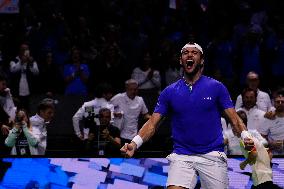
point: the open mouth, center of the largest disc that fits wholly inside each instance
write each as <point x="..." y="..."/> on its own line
<point x="189" y="63"/>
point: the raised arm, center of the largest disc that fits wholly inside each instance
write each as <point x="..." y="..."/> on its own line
<point x="144" y="134"/>
<point x="33" y="141"/>
<point x="76" y="122"/>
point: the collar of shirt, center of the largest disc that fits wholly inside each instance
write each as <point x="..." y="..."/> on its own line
<point x="40" y="121"/>
<point x="129" y="99"/>
<point x="250" y="111"/>
<point x="101" y="100"/>
<point x="189" y="85"/>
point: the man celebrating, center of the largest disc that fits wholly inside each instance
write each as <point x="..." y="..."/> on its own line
<point x="195" y="104"/>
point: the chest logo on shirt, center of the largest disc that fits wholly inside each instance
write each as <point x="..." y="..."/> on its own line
<point x="207" y="98"/>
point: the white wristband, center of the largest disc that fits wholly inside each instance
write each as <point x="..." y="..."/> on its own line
<point x="245" y="134"/>
<point x="138" y="141"/>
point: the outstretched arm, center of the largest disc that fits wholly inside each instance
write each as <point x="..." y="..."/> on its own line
<point x="144" y="134"/>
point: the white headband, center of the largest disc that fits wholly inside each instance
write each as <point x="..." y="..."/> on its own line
<point x="192" y="45"/>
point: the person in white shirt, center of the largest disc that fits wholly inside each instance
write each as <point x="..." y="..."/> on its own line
<point x="7" y="113"/>
<point x="145" y="75"/>
<point x="233" y="142"/>
<point x="23" y="71"/>
<point x="89" y="110"/>
<point x="131" y="106"/>
<point x="173" y="71"/>
<point x="273" y="129"/>
<point x="6" y="99"/>
<point x="263" y="100"/>
<point x="254" y="114"/>
<point x="39" y="122"/>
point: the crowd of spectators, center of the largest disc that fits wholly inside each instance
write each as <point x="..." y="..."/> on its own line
<point x="69" y="48"/>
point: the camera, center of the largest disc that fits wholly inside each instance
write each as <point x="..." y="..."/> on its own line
<point x="89" y="117"/>
<point x="19" y="119"/>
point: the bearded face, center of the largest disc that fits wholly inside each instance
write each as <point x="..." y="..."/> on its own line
<point x="279" y="103"/>
<point x="191" y="60"/>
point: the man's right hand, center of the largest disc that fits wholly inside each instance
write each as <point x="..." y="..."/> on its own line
<point x="270" y="115"/>
<point x="128" y="149"/>
<point x="81" y="136"/>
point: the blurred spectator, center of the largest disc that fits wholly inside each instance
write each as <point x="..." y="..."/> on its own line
<point x="62" y="52"/>
<point x="128" y="107"/>
<point x="5" y="126"/>
<point x="242" y="24"/>
<point x="263" y="101"/>
<point x="7" y="113"/>
<point x="173" y="71"/>
<point x="251" y="52"/>
<point x="276" y="58"/>
<point x="111" y="68"/>
<point x="82" y="34"/>
<point x="6" y="99"/>
<point x="149" y="79"/>
<point x="76" y="75"/>
<point x="39" y="122"/>
<point x="50" y="78"/>
<point x="1" y="53"/>
<point x="110" y="34"/>
<point x="134" y="41"/>
<point x="259" y="15"/>
<point x="221" y="55"/>
<point x="255" y="116"/>
<point x="104" y="140"/>
<point x="273" y="129"/>
<point x="20" y="137"/>
<point x="24" y="70"/>
<point x="90" y="52"/>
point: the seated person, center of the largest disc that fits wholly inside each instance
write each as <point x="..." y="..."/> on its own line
<point x="20" y="138"/>
<point x="104" y="139"/>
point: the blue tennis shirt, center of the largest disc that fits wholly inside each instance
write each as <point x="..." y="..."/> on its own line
<point x="195" y="114"/>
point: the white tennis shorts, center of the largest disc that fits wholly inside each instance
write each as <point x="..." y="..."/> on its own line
<point x="212" y="171"/>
